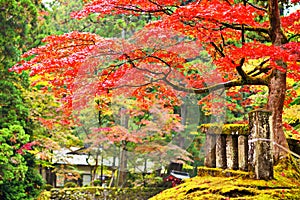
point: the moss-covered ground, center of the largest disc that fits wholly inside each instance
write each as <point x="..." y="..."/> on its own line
<point x="285" y="185"/>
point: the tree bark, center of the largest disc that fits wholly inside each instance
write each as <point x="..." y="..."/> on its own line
<point x="123" y="165"/>
<point x="277" y="89"/>
<point x="123" y="153"/>
<point x="277" y="84"/>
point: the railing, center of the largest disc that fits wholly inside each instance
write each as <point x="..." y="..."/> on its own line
<point x="241" y="147"/>
<point x="226" y="146"/>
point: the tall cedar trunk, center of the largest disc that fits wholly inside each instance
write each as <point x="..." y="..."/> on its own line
<point x="94" y="170"/>
<point x="123" y="152"/>
<point x="277" y="84"/>
<point x="123" y="165"/>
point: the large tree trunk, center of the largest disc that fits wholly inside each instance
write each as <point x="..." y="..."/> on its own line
<point x="277" y="84"/>
<point x="277" y="88"/>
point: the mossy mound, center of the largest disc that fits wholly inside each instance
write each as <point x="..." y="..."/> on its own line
<point x="206" y="171"/>
<point x="227" y="129"/>
<point x="285" y="185"/>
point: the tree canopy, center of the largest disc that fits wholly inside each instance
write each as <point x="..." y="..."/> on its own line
<point x="245" y="42"/>
<point x="18" y="178"/>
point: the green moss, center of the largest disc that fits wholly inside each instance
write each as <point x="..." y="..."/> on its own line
<point x="204" y="171"/>
<point x="285" y="185"/>
<point x="95" y="193"/>
<point x="228" y="129"/>
<point x="45" y="195"/>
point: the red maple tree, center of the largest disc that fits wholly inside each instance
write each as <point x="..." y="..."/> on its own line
<point x="234" y="33"/>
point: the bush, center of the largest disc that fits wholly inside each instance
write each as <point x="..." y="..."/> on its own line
<point x="97" y="182"/>
<point x="97" y="193"/>
<point x="70" y="185"/>
<point x="48" y="187"/>
<point x="45" y="195"/>
<point x="19" y="178"/>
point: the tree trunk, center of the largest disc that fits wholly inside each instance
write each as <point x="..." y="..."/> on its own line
<point x="277" y="88"/>
<point x="123" y="152"/>
<point x="277" y="84"/>
<point x="123" y="165"/>
<point x="94" y="170"/>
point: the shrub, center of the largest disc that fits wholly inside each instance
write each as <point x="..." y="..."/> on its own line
<point x="97" y="182"/>
<point x="48" y="187"/>
<point x="19" y="178"/>
<point x="70" y="185"/>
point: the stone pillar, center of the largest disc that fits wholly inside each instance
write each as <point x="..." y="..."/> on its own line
<point x="221" y="161"/>
<point x="235" y="152"/>
<point x="260" y="145"/>
<point x="243" y="152"/>
<point x="210" y="150"/>
<point x="232" y="151"/>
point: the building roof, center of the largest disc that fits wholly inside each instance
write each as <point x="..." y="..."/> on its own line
<point x="66" y="156"/>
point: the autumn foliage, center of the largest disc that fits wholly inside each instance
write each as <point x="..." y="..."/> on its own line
<point x="247" y="43"/>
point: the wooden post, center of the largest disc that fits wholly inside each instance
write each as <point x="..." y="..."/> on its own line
<point x="260" y="145"/>
<point x="210" y="153"/>
<point x="221" y="161"/>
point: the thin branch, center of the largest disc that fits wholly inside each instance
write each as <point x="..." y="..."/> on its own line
<point x="149" y="71"/>
<point x="225" y="85"/>
<point x="136" y="86"/>
<point x="259" y="68"/>
<point x="139" y="10"/>
<point x="218" y="49"/>
<point x="205" y="89"/>
<point x="257" y="7"/>
<point x="292" y="37"/>
<point x="263" y="38"/>
<point x="263" y="70"/>
<point x="243" y="34"/>
<point x="240" y="69"/>
<point x="246" y="27"/>
<point x="223" y="40"/>
<point x="227" y="1"/>
<point x="165" y="10"/>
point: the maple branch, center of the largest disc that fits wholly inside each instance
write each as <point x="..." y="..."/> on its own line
<point x="225" y="85"/>
<point x="292" y="37"/>
<point x="240" y="69"/>
<point x="255" y="6"/>
<point x="243" y="34"/>
<point x="263" y="38"/>
<point x="244" y="80"/>
<point x="218" y="49"/>
<point x="149" y="71"/>
<point x="260" y="69"/>
<point x="71" y="45"/>
<point x="137" y="9"/>
<point x="161" y="60"/>
<point x="164" y="10"/>
<point x="246" y="27"/>
<point x="136" y="86"/>
<point x="263" y="70"/>
<point x="227" y="1"/>
<point x="131" y="61"/>
<point x="223" y="41"/>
